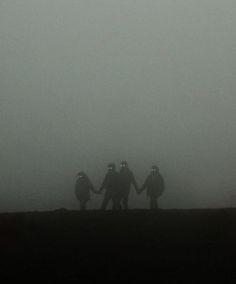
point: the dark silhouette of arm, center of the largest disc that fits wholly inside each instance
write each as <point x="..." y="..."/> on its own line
<point x="144" y="185"/>
<point x="162" y="184"/>
<point x="133" y="182"/>
<point x="92" y="187"/>
<point x="103" y="185"/>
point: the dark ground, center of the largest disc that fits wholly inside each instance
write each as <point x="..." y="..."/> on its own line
<point x="165" y="246"/>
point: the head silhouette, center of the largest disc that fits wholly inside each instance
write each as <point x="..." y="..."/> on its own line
<point x="123" y="164"/>
<point x="111" y="167"/>
<point x="154" y="169"/>
<point x="81" y="176"/>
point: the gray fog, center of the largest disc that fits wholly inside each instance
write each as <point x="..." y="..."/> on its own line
<point x="85" y="82"/>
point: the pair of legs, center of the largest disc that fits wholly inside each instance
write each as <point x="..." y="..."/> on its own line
<point x="125" y="199"/>
<point x="153" y="203"/>
<point x="108" y="196"/>
<point x="116" y="203"/>
<point x="83" y="205"/>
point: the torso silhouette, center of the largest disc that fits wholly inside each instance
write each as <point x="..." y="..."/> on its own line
<point x="82" y="189"/>
<point x="154" y="184"/>
<point x="111" y="182"/>
<point x="126" y="178"/>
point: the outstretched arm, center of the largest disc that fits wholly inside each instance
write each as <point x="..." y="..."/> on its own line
<point x="91" y="187"/>
<point x="135" y="184"/>
<point x="102" y="186"/>
<point x="143" y="186"/>
<point x="162" y="184"/>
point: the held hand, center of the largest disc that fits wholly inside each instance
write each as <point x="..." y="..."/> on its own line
<point x="95" y="191"/>
<point x="140" y="190"/>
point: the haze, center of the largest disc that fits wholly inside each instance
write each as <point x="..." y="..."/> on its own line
<point x="85" y="83"/>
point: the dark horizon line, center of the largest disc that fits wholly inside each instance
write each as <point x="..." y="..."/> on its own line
<point x="62" y="209"/>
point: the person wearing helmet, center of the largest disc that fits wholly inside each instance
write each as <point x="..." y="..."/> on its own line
<point x="83" y="186"/>
<point x="111" y="186"/>
<point x="127" y="179"/>
<point x="155" y="186"/>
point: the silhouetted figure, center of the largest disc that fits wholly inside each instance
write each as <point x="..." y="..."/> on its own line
<point x="83" y="186"/>
<point x="111" y="186"/>
<point x="155" y="186"/>
<point x="126" y="180"/>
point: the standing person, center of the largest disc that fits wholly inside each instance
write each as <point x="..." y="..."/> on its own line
<point x="83" y="186"/>
<point x="155" y="186"/>
<point x="127" y="179"/>
<point x="111" y="186"/>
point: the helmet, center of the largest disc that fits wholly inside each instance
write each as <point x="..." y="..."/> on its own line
<point x="154" y="169"/>
<point x="111" y="167"/>
<point x="80" y="175"/>
<point x="123" y="163"/>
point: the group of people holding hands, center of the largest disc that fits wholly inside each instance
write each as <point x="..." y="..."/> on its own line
<point x="116" y="186"/>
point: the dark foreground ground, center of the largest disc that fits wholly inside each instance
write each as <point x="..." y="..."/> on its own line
<point x="166" y="246"/>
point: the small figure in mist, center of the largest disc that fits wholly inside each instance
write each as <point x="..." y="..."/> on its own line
<point x="83" y="186"/>
<point x="155" y="186"/>
<point x="127" y="179"/>
<point x="111" y="186"/>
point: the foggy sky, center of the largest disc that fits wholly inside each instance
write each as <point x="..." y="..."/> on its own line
<point x="84" y="83"/>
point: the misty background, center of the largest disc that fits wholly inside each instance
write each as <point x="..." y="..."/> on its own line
<point x="84" y="83"/>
